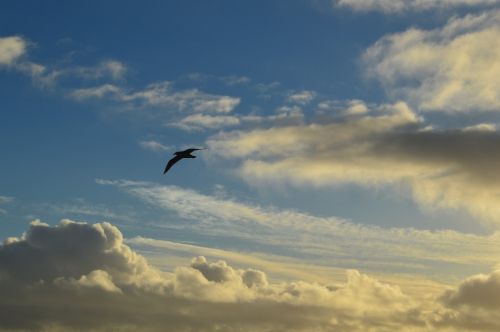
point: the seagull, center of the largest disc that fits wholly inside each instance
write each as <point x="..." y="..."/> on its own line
<point x="178" y="156"/>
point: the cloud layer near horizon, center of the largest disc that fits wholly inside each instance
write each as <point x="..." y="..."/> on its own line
<point x="83" y="276"/>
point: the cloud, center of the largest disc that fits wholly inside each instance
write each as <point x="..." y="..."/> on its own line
<point x="154" y="146"/>
<point x="113" y="69"/>
<point x="80" y="207"/>
<point x="320" y="240"/>
<point x="451" y="69"/>
<point x="14" y="51"/>
<point x="401" y="6"/>
<point x="388" y="146"/>
<point x="6" y="199"/>
<point x="482" y="290"/>
<point x="88" y="269"/>
<point x="161" y="94"/>
<point x="201" y="121"/>
<point x="235" y="80"/>
<point x="11" y="49"/>
<point x="205" y="121"/>
<point x="77" y="276"/>
<point x="96" y="92"/>
<point x="473" y="304"/>
<point x="491" y="127"/>
<point x="301" y="97"/>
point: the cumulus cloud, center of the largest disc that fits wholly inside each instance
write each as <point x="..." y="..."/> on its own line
<point x="400" y="6"/>
<point x="11" y="49"/>
<point x="451" y="169"/>
<point x="473" y="304"/>
<point x="452" y="69"/>
<point x="482" y="290"/>
<point x="75" y="276"/>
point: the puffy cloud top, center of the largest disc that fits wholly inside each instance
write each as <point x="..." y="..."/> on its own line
<point x="76" y="276"/>
<point x="11" y="48"/>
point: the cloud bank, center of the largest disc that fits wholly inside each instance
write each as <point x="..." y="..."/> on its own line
<point x="387" y="146"/>
<point x="75" y="276"/>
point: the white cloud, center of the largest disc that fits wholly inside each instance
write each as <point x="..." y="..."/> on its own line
<point x="356" y="107"/>
<point x="205" y="121"/>
<point x="400" y="6"/>
<point x="115" y="68"/>
<point x="154" y="146"/>
<point x="452" y="69"/>
<point x="96" y="92"/>
<point x="301" y="97"/>
<point x="491" y="127"/>
<point x="11" y="49"/>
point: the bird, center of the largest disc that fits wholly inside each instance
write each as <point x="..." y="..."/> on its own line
<point x="178" y="156"/>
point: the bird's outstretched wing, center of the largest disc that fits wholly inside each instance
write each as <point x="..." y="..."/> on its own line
<point x="171" y="163"/>
<point x="191" y="150"/>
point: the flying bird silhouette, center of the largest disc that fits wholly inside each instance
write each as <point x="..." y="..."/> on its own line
<point x="178" y="156"/>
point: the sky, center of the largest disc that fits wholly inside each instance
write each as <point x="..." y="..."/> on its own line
<point x="349" y="181"/>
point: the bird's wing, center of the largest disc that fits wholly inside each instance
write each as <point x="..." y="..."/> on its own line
<point x="192" y="150"/>
<point x="171" y="163"/>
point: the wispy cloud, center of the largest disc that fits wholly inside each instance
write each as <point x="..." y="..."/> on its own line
<point x="154" y="146"/>
<point x="161" y="94"/>
<point x="197" y="122"/>
<point x="322" y="240"/>
<point x="14" y="55"/>
<point x="403" y="6"/>
<point x="235" y="80"/>
<point x="6" y="199"/>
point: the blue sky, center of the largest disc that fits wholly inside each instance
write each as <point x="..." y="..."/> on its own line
<point x="298" y="46"/>
<point x="349" y="134"/>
